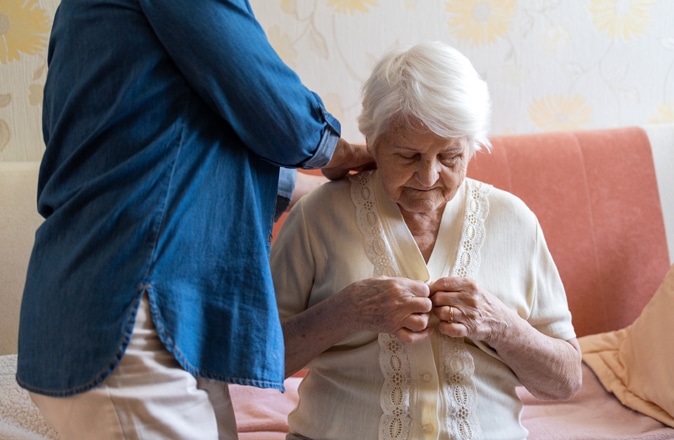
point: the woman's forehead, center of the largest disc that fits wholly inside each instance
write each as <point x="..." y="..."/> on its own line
<point x="415" y="138"/>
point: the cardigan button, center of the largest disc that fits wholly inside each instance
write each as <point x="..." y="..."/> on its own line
<point x="428" y="428"/>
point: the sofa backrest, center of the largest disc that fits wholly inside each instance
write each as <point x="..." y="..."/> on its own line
<point x="605" y="201"/>
<point x="594" y="192"/>
<point x="596" y="196"/>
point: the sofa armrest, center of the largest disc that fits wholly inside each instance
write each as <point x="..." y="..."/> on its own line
<point x="18" y="221"/>
<point x="662" y="145"/>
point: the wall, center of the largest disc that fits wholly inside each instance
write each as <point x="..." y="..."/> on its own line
<point x="550" y="64"/>
<point x="24" y="33"/>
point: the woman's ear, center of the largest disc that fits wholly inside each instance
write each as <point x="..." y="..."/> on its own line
<point x="369" y="145"/>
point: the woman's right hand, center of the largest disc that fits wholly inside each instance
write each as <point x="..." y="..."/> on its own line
<point x="396" y="306"/>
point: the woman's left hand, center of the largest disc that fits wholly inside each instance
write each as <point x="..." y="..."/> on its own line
<point x="467" y="310"/>
<point x="548" y="367"/>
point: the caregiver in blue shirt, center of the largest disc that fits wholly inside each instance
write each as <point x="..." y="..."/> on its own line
<point x="149" y="289"/>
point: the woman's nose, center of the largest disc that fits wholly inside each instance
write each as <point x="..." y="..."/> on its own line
<point x="427" y="172"/>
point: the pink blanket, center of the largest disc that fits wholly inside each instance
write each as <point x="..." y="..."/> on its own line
<point x="261" y="414"/>
<point x="593" y="414"/>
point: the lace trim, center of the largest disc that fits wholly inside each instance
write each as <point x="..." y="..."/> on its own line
<point x="458" y="366"/>
<point x="472" y="236"/>
<point x="376" y="245"/>
<point x="395" y="422"/>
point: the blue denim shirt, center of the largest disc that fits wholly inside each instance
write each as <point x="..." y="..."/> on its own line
<point x="165" y="126"/>
<point x="286" y="187"/>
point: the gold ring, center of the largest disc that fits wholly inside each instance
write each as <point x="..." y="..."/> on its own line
<point x="451" y="314"/>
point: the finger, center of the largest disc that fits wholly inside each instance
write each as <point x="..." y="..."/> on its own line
<point x="451" y="284"/>
<point x="416" y="322"/>
<point x="410" y="337"/>
<point x="440" y="299"/>
<point x="347" y="157"/>
<point x="453" y="329"/>
<point x="334" y="173"/>
<point x="451" y="314"/>
<point x="413" y="289"/>
<point x="442" y="312"/>
<point x="418" y="288"/>
<point x="419" y="305"/>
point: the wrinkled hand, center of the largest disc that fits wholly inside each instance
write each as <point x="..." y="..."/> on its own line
<point x="477" y="314"/>
<point x="396" y="306"/>
<point x="348" y="157"/>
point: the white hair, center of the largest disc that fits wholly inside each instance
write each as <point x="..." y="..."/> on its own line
<point x="431" y="83"/>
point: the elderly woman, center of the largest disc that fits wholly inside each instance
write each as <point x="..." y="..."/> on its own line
<point x="419" y="299"/>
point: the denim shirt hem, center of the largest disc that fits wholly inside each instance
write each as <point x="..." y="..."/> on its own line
<point x="182" y="361"/>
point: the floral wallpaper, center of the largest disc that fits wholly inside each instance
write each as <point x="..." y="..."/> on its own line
<point x="550" y="64"/>
<point x="24" y="33"/>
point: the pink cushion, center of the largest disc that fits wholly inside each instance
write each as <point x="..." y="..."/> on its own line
<point x="636" y="363"/>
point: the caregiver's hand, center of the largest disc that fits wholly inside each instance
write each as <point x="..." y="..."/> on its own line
<point x="346" y="158"/>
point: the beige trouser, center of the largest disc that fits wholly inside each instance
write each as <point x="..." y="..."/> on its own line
<point x="148" y="396"/>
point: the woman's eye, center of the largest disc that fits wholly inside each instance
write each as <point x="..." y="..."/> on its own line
<point x="408" y="157"/>
<point x="450" y="159"/>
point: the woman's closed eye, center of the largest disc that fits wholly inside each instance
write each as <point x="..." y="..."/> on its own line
<point x="406" y="157"/>
<point x="450" y="159"/>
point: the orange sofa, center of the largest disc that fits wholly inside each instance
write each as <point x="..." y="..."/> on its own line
<point x="605" y="200"/>
<point x="596" y="196"/>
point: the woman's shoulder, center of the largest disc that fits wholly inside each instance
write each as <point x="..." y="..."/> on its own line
<point x="502" y="202"/>
<point x="324" y="211"/>
<point x="329" y="197"/>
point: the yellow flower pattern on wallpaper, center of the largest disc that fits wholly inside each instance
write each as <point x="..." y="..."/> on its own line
<point x="554" y="39"/>
<point x="23" y="29"/>
<point x="550" y="65"/>
<point x="623" y="19"/>
<point x="289" y="6"/>
<point x="664" y="114"/>
<point x="351" y="6"/>
<point x="5" y="100"/>
<point x="283" y="45"/>
<point x="333" y="103"/>
<point x="35" y="92"/>
<point x="480" y="22"/>
<point x="560" y="112"/>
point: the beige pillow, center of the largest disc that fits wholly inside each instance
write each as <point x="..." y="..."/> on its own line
<point x="636" y="363"/>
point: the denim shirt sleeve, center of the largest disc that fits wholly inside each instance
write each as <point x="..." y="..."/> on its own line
<point x="286" y="186"/>
<point x="287" y="176"/>
<point x="225" y="56"/>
